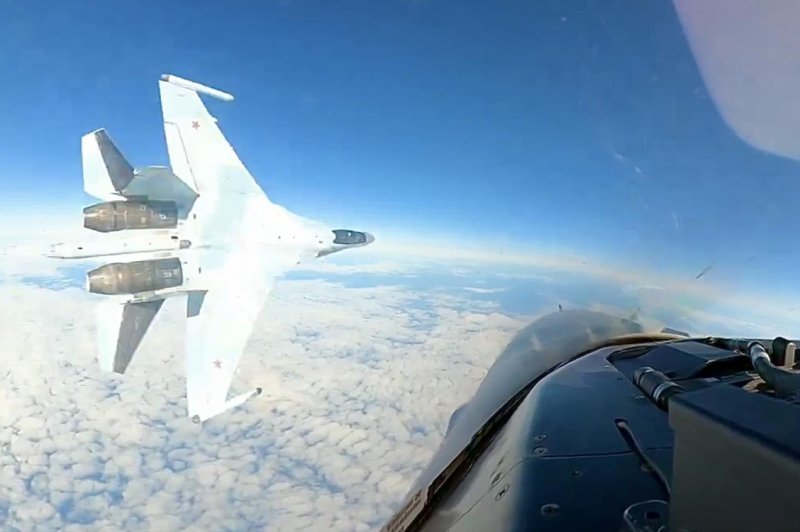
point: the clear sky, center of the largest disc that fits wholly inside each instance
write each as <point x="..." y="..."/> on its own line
<point x="536" y="124"/>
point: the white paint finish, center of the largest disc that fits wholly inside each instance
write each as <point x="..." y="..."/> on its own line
<point x="241" y="243"/>
<point x="96" y="180"/>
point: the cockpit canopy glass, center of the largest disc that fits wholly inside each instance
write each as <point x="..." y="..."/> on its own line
<point x="347" y="237"/>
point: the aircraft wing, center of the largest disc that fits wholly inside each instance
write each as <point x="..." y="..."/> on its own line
<point x="220" y="319"/>
<point x="199" y="153"/>
<point x="235" y="274"/>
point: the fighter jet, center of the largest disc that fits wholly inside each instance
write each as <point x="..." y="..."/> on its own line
<point x="202" y="229"/>
<point x="588" y="421"/>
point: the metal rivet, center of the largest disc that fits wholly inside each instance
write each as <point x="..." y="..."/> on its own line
<point x="577" y="473"/>
<point x="540" y="437"/>
<point x="638" y="397"/>
<point x="502" y="492"/>
<point x="539" y="450"/>
<point x="496" y="478"/>
<point x="550" y="510"/>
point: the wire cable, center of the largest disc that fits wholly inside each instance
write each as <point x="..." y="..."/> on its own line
<point x="630" y="438"/>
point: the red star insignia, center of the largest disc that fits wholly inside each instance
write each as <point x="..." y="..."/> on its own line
<point x="217" y="364"/>
<point x="195" y="125"/>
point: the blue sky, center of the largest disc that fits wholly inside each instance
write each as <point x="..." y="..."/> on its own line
<point x="556" y="125"/>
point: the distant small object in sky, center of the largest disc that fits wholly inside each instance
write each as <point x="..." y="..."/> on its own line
<point x="627" y="162"/>
<point x="705" y="271"/>
<point x="560" y="308"/>
<point x="670" y="330"/>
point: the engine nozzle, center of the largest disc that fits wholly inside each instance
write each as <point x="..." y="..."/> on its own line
<point x="121" y="215"/>
<point x="135" y="277"/>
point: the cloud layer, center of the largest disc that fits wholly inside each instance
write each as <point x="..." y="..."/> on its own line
<point x="359" y="384"/>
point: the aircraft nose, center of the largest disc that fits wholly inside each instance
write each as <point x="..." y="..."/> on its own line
<point x="370" y="238"/>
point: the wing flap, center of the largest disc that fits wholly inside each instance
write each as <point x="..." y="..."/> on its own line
<point x="178" y="158"/>
<point x="120" y="330"/>
<point x="160" y="184"/>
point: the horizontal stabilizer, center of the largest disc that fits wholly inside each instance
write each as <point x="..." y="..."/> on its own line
<point x="120" y="329"/>
<point x="106" y="172"/>
<point x="160" y="184"/>
<point x="107" y="175"/>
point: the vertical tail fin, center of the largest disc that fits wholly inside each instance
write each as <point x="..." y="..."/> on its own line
<point x="194" y="302"/>
<point x="106" y="172"/>
<point x="120" y="329"/>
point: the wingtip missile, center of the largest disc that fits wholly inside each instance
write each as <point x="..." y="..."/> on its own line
<point x="197" y="87"/>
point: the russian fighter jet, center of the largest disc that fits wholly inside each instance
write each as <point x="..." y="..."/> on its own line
<point x="202" y="229"/>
